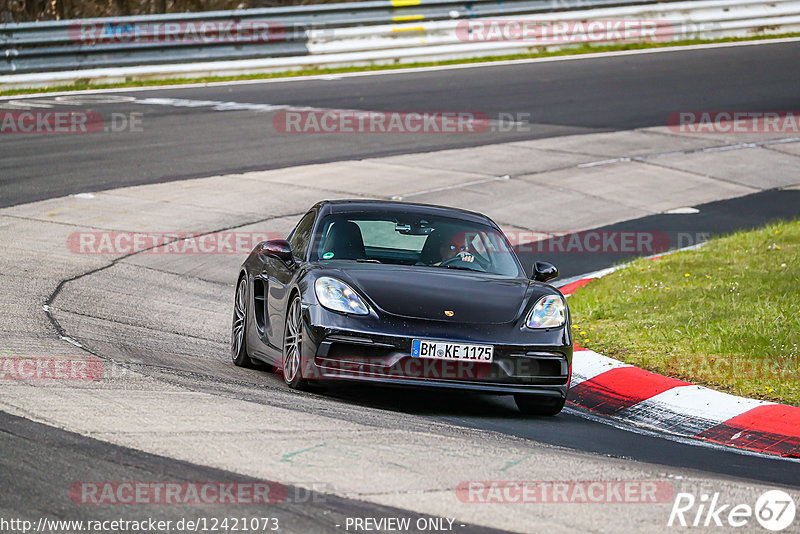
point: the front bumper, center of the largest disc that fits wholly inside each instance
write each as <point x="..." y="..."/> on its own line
<point x="359" y="349"/>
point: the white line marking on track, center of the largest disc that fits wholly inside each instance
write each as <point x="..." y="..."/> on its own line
<point x="70" y="340"/>
<point x="682" y="211"/>
<point x="603" y="162"/>
<point x="721" y="148"/>
<point x="454" y="186"/>
<point x="217" y="105"/>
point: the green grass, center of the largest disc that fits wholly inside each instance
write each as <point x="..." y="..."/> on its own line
<point x="581" y="49"/>
<point x="726" y="315"/>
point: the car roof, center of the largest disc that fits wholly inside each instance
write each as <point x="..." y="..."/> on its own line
<point x="390" y="206"/>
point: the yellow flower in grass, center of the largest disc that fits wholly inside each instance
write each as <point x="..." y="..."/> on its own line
<point x="687" y="275"/>
<point x="583" y="332"/>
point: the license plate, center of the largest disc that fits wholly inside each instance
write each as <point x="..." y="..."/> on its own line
<point x="441" y="350"/>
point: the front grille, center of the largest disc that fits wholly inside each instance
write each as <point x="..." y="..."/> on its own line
<point x="354" y="356"/>
<point x="539" y="364"/>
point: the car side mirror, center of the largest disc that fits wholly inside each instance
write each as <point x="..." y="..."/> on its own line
<point x="278" y="248"/>
<point x="544" y="271"/>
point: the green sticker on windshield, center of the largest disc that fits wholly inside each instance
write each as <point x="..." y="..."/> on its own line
<point x="327" y="255"/>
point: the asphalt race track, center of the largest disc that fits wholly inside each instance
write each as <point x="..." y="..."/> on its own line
<point x="47" y="459"/>
<point x="563" y="97"/>
<point x="196" y="132"/>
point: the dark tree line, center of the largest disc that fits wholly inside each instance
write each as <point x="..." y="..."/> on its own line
<point x="35" y="10"/>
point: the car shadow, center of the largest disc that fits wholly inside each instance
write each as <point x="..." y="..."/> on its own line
<point x="425" y="402"/>
<point x="429" y="402"/>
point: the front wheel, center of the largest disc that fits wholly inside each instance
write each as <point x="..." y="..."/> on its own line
<point x="535" y="405"/>
<point x="239" y="327"/>
<point x="292" y="346"/>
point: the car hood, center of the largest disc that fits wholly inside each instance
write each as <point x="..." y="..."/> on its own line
<point x="428" y="293"/>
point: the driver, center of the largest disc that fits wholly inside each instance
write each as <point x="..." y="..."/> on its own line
<point x="456" y="247"/>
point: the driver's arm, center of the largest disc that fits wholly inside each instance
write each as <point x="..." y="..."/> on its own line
<point x="464" y="256"/>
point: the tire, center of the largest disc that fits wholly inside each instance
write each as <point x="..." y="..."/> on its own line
<point x="239" y="327"/>
<point x="535" y="405"/>
<point x="292" y="364"/>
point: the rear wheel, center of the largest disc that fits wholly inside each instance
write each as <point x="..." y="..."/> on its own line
<point x="292" y="346"/>
<point x="536" y="405"/>
<point x="239" y="327"/>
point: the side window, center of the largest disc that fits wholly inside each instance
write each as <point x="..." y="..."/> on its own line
<point x="301" y="235"/>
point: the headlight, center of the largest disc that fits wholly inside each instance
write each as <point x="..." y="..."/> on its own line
<point x="548" y="312"/>
<point x="338" y="296"/>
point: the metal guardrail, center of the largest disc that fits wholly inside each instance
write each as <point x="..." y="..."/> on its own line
<point x="59" y="45"/>
<point x="381" y="31"/>
<point x="673" y="21"/>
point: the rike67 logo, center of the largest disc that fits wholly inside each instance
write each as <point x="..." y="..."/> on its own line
<point x="774" y="510"/>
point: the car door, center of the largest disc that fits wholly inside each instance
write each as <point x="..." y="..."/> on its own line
<point x="282" y="277"/>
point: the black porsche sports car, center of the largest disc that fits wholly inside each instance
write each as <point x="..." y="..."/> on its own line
<point x="404" y="294"/>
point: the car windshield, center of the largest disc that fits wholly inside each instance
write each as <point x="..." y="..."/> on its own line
<point x="427" y="242"/>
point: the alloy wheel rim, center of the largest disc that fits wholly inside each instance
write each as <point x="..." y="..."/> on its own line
<point x="239" y="312"/>
<point x="292" y="341"/>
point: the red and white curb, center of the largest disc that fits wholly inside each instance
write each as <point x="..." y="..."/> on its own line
<point x="608" y="387"/>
